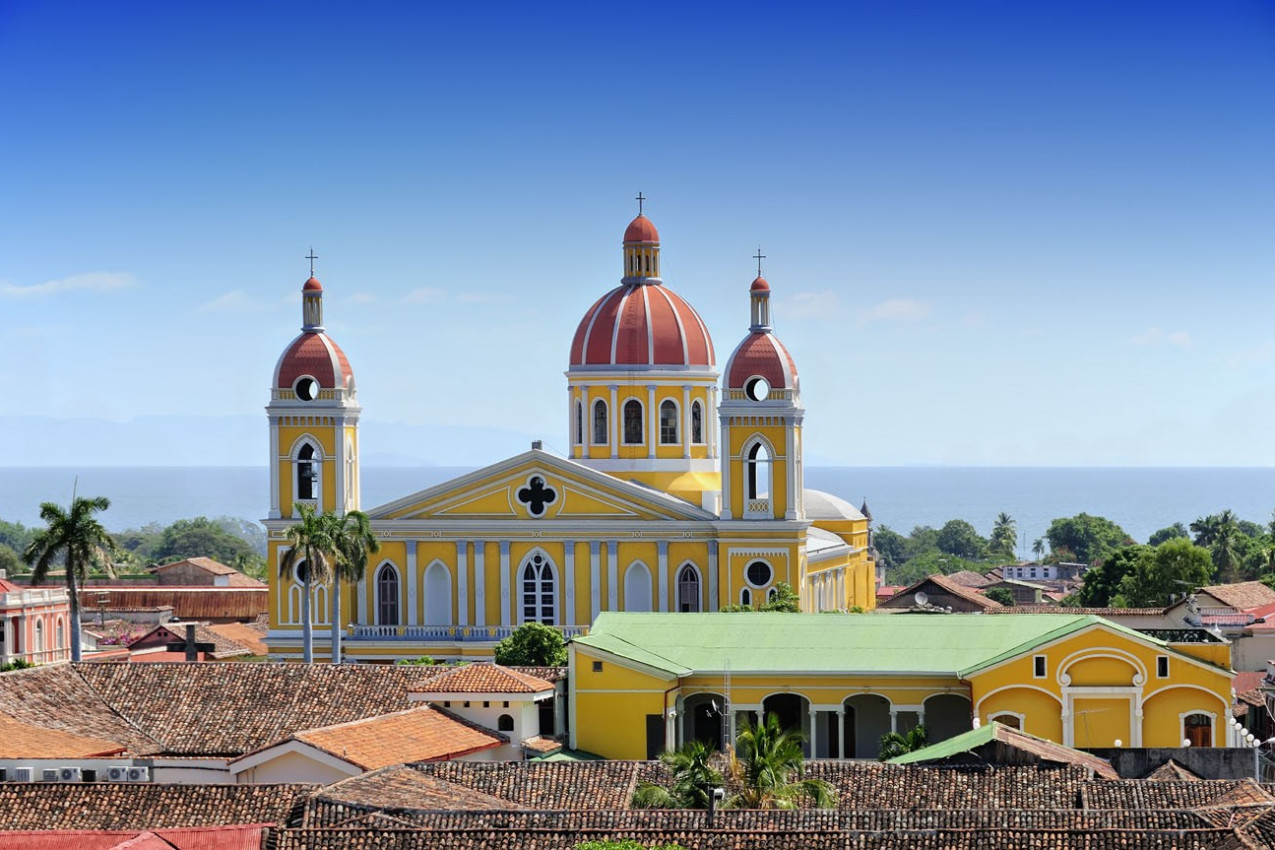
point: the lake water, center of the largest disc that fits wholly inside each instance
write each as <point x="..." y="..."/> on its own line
<point x="1141" y="500"/>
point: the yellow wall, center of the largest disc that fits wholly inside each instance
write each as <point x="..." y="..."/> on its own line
<point x="610" y="707"/>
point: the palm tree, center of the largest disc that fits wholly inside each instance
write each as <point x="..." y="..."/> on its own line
<point x="78" y="540"/>
<point x="1004" y="534"/>
<point x="1217" y="533"/>
<point x="763" y="764"/>
<point x="351" y="539"/>
<point x="894" y="744"/>
<point x="693" y="780"/>
<point x="309" y="555"/>
<point x="1038" y="548"/>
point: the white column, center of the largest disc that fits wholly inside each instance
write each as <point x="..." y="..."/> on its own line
<point x="505" y="601"/>
<point x="686" y="420"/>
<point x="462" y="582"/>
<point x="569" y="567"/>
<point x="814" y="733"/>
<point x="713" y="604"/>
<point x="894" y="720"/>
<point x="841" y="731"/>
<point x="613" y="575"/>
<point x="726" y="483"/>
<point x="615" y="424"/>
<point x="662" y="568"/>
<point x="480" y="584"/>
<point x="360" y="616"/>
<point x="670" y="730"/>
<point x="595" y="578"/>
<point x="342" y="494"/>
<point x="410" y="578"/>
<point x="571" y="422"/>
<point x="710" y="416"/>
<point x="653" y="434"/>
<point x="790" y="473"/>
<point x="274" y="468"/>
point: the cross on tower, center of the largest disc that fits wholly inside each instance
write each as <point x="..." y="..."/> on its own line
<point x="759" y="256"/>
<point x="312" y="257"/>
<point x="536" y="495"/>
<point x="640" y="199"/>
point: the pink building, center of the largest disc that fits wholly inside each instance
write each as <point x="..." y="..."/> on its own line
<point x="37" y="623"/>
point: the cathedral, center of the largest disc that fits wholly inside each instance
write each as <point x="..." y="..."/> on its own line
<point x="683" y="491"/>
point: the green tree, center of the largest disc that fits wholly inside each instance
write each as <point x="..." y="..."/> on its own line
<point x="892" y="547"/>
<point x="10" y="562"/>
<point x="532" y="645"/>
<point x="1171" y="569"/>
<point x="15" y="535"/>
<point x="783" y="599"/>
<point x="1102" y="580"/>
<point x="77" y="539"/>
<point x="692" y="780"/>
<point x="922" y="539"/>
<point x="1087" y="538"/>
<point x="1177" y="531"/>
<point x="351" y="540"/>
<point x="957" y="537"/>
<point x="309" y="557"/>
<point x="199" y="537"/>
<point x="895" y="744"/>
<point x="1001" y="595"/>
<point x="768" y="767"/>
<point x="1218" y="533"/>
<point x="1004" y="537"/>
<point x="419" y="661"/>
<point x="1038" y="547"/>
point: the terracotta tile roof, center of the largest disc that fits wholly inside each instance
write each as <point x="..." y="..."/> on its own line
<point x="232" y="709"/>
<point x="56" y="697"/>
<point x="247" y="635"/>
<point x="162" y="635"/>
<point x="954" y="588"/>
<point x="1171" y="771"/>
<point x="1139" y="794"/>
<point x="484" y="678"/>
<point x="969" y="578"/>
<point x="417" y="734"/>
<point x="18" y="740"/>
<point x="1241" y="595"/>
<point x="542" y="745"/>
<point x="239" y="837"/>
<point x="208" y="565"/>
<point x="139" y="806"/>
<point x="1063" y="609"/>
<point x="549" y="674"/>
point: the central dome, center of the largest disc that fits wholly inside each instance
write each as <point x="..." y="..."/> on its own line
<point x="642" y="325"/>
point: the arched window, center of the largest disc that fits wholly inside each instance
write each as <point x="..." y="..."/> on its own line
<point x="688" y="589"/>
<point x="697" y="422"/>
<point x="307" y="474"/>
<point x="438" y="595"/>
<point x="600" y="422"/>
<point x="39" y="635"/>
<point x="1198" y="729"/>
<point x="539" y="594"/>
<point x="387" y="596"/>
<point x="60" y="634"/>
<point x="637" y="588"/>
<point x="633" y="421"/>
<point x="759" y="471"/>
<point x="746" y="598"/>
<point x="579" y="429"/>
<point x="668" y="422"/>
<point x="505" y="723"/>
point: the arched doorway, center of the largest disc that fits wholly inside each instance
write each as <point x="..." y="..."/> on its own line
<point x="946" y="716"/>
<point x="1198" y="729"/>
<point x="867" y="720"/>
<point x="702" y="720"/>
<point x="793" y="711"/>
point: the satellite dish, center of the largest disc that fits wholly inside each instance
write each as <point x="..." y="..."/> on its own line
<point x="715" y="708"/>
<point x="922" y="598"/>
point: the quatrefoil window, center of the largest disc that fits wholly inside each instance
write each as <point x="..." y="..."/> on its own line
<point x="537" y="495"/>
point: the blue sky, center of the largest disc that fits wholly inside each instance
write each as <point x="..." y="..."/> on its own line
<point x="998" y="233"/>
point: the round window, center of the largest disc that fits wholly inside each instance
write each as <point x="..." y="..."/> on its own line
<point x="758" y="573"/>
<point x="306" y="388"/>
<point x="757" y="389"/>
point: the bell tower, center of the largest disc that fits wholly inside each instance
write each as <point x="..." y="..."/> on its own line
<point x="761" y="417"/>
<point x="313" y="416"/>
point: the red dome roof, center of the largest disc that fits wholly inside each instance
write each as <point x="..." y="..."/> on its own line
<point x="316" y="355"/>
<point x="759" y="285"/>
<point x="640" y="229"/>
<point x="642" y="325"/>
<point x="760" y="354"/>
<point x="312" y="285"/>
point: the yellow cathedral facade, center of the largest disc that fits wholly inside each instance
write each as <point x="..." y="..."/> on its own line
<point x="683" y="490"/>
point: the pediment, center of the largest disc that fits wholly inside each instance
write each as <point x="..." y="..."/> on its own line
<point x="538" y="487"/>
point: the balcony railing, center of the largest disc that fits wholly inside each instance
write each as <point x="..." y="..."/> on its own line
<point x="757" y="509"/>
<point x="447" y="633"/>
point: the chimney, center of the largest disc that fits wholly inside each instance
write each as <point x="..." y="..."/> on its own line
<point x="192" y="651"/>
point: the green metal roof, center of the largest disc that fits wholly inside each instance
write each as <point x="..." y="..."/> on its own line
<point x="962" y="743"/>
<point x="951" y="644"/>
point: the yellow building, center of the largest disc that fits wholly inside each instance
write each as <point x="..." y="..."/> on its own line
<point x="639" y="683"/>
<point x="683" y="491"/>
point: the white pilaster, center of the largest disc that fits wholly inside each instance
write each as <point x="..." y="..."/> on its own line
<point x="790" y="473"/>
<point x="614" y="423"/>
<point x="505" y="601"/>
<point x="274" y="468"/>
<point x="595" y="578"/>
<point x="410" y="579"/>
<point x="662" y="569"/>
<point x="569" y="567"/>
<point x="686" y="420"/>
<point x="713" y="604"/>
<point x="613" y="575"/>
<point x="480" y="584"/>
<point x="726" y="482"/>
<point x="653" y="415"/>
<point x="462" y="582"/>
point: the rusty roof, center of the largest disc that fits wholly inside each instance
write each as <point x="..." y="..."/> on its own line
<point x="1241" y="595"/>
<point x="188" y="603"/>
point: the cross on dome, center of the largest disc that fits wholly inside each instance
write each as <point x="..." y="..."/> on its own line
<point x="640" y="199"/>
<point x="759" y="256"/>
<point x="313" y="256"/>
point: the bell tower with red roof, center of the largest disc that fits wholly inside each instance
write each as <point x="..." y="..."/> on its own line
<point x="642" y="381"/>
<point x="313" y="415"/>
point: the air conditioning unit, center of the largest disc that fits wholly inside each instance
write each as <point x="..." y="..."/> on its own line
<point x="117" y="774"/>
<point x="50" y="774"/>
<point x="139" y="774"/>
<point x="23" y="774"/>
<point x="69" y="774"/>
